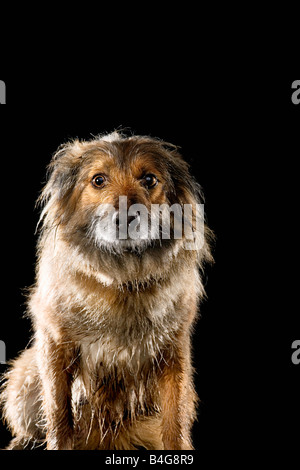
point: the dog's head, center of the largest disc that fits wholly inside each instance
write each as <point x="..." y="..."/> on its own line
<point x="115" y="193"/>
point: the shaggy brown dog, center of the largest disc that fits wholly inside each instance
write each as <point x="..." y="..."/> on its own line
<point x="110" y="365"/>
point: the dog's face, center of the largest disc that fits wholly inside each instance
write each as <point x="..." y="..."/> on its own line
<point x="105" y="192"/>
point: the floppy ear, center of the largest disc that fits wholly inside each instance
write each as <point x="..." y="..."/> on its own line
<point x="62" y="176"/>
<point x="188" y="191"/>
<point x="63" y="169"/>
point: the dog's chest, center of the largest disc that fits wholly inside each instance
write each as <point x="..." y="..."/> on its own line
<point x="117" y="377"/>
<point x="108" y="353"/>
<point x="128" y="331"/>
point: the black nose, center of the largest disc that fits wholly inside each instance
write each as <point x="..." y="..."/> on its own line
<point x="130" y="218"/>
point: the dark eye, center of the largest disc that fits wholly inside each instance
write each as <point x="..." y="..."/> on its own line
<point x="150" y="181"/>
<point x="98" y="181"/>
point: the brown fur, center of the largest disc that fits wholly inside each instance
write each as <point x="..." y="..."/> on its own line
<point x="110" y="365"/>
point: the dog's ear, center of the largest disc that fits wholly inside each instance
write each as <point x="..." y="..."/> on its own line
<point x="186" y="190"/>
<point x="62" y="173"/>
<point x="63" y="169"/>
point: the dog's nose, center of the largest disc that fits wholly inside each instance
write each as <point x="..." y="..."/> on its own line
<point x="130" y="218"/>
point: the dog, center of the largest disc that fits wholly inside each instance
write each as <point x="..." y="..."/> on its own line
<point x="110" y="362"/>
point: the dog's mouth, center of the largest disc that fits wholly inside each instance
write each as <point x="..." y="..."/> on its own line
<point x="128" y="228"/>
<point x="133" y="236"/>
<point x="126" y="238"/>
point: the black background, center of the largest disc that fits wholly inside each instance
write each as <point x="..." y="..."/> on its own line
<point x="239" y="130"/>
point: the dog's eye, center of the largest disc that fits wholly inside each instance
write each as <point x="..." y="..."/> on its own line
<point x="98" y="181"/>
<point x="150" y="181"/>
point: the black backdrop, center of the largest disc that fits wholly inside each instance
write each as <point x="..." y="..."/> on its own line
<point x="240" y="136"/>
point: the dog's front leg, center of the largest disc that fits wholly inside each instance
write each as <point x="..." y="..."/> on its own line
<point x="56" y="390"/>
<point x="177" y="403"/>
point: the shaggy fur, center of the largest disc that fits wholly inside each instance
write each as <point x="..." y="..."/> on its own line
<point x="110" y="364"/>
